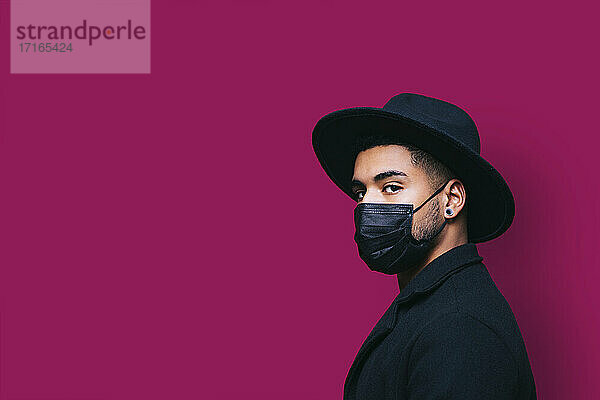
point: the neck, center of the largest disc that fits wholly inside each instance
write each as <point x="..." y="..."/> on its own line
<point x="446" y="242"/>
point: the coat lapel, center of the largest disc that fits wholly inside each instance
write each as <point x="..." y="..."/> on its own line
<point x="370" y="343"/>
<point x="379" y="332"/>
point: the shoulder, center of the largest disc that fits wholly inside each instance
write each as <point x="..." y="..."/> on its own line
<point x="459" y="349"/>
<point x="458" y="326"/>
<point x="462" y="338"/>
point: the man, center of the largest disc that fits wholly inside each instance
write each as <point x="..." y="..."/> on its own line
<point x="424" y="197"/>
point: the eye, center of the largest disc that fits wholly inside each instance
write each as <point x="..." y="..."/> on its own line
<point x="359" y="195"/>
<point x="392" y="188"/>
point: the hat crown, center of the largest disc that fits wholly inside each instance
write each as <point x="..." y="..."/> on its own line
<point x="437" y="114"/>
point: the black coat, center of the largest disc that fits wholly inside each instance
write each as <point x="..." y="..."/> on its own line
<point x="449" y="334"/>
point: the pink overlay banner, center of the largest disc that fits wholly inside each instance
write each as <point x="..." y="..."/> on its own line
<point x="80" y="36"/>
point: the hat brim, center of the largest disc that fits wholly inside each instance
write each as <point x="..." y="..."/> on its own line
<point x="491" y="206"/>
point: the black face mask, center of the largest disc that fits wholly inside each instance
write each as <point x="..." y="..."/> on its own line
<point x="384" y="238"/>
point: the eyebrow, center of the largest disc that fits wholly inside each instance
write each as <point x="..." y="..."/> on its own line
<point x="380" y="176"/>
<point x="387" y="174"/>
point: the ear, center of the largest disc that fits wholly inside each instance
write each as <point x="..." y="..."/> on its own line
<point x="455" y="198"/>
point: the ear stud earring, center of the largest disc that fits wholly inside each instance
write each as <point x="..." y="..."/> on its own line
<point x="449" y="211"/>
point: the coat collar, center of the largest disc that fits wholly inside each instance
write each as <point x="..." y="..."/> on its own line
<point x="446" y="263"/>
<point x="436" y="272"/>
<point x="433" y="275"/>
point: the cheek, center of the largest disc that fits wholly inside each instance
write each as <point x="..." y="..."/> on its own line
<point x="372" y="195"/>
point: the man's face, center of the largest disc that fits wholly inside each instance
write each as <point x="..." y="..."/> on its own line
<point x="384" y="174"/>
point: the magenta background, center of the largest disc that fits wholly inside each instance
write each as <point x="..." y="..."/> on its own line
<point x="172" y="236"/>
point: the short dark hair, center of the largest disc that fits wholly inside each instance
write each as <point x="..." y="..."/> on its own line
<point x="436" y="172"/>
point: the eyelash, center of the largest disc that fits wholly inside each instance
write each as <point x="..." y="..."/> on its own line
<point x="357" y="193"/>
<point x="393" y="185"/>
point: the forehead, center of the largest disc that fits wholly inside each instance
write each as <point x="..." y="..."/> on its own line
<point x="378" y="159"/>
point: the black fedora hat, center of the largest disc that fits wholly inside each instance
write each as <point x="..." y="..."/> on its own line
<point x="443" y="130"/>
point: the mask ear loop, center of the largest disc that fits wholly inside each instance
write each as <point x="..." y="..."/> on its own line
<point x="430" y="197"/>
<point x="445" y="220"/>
